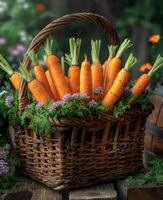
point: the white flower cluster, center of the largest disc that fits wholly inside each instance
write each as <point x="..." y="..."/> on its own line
<point x="3" y="7"/>
<point x="24" y="4"/>
<point x="24" y="37"/>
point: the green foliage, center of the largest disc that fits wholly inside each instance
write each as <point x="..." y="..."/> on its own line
<point x="124" y="104"/>
<point x="121" y="107"/>
<point x="20" y="20"/>
<point x="7" y="182"/>
<point x="77" y="108"/>
<point x="37" y="119"/>
<point x="144" y="100"/>
<point x="37" y="116"/>
<point x="10" y="112"/>
<point x="135" y="16"/>
<point x="41" y="124"/>
<point x="154" y="175"/>
<point x="3" y="140"/>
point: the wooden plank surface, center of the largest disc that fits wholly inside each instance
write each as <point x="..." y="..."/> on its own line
<point x="31" y="190"/>
<point x="100" y="192"/>
<point x="27" y="189"/>
<point x="144" y="192"/>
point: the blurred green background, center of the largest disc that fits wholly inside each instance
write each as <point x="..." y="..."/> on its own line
<point x="21" y="20"/>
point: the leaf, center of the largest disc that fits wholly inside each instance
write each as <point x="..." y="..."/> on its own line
<point x="10" y="29"/>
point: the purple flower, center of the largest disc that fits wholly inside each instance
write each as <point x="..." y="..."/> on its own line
<point x="92" y="103"/>
<point x="80" y="96"/>
<point x="8" y="101"/>
<point x="67" y="97"/>
<point x="38" y="106"/>
<point x="21" y="48"/>
<point x="98" y="91"/>
<point x="3" y="155"/>
<point x="17" y="50"/>
<point x="4" y="168"/>
<point x="3" y="93"/>
<point x="2" y="40"/>
<point x="54" y="106"/>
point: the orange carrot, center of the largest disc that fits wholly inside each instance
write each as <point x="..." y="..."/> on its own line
<point x="144" y="80"/>
<point x="97" y="71"/>
<point x="56" y="71"/>
<point x="104" y="68"/>
<point x="51" y="84"/>
<point x="114" y="65"/>
<point x="112" y="50"/>
<point x="120" y="83"/>
<point x="35" y="87"/>
<point x="86" y="78"/>
<point x="39" y="72"/>
<point x="72" y="60"/>
<point x="13" y="76"/>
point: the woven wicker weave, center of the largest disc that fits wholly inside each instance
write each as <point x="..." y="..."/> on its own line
<point x="84" y="152"/>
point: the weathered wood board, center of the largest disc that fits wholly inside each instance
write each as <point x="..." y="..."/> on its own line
<point x="26" y="189"/>
<point x="145" y="192"/>
<point x="100" y="192"/>
<point x="31" y="190"/>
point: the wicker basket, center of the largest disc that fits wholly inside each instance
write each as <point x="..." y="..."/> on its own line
<point x="84" y="152"/>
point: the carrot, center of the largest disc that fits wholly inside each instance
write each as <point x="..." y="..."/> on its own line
<point x="13" y="76"/>
<point x="39" y="72"/>
<point x="120" y="83"/>
<point x="96" y="70"/>
<point x="114" y="65"/>
<point x="144" y="80"/>
<point x="72" y="60"/>
<point x="112" y="51"/>
<point x="86" y="78"/>
<point x="51" y="84"/>
<point x="35" y="87"/>
<point x="56" y="71"/>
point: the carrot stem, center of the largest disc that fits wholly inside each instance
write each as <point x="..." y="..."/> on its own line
<point x="123" y="47"/>
<point x="131" y="61"/>
<point x="48" y="46"/>
<point x="157" y="65"/>
<point x="24" y="73"/>
<point x="95" y="52"/>
<point x="63" y="64"/>
<point x="112" y="50"/>
<point x="5" y="66"/>
<point x="73" y="57"/>
<point x="33" y="56"/>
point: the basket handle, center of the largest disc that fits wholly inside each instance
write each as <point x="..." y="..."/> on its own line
<point x="57" y="24"/>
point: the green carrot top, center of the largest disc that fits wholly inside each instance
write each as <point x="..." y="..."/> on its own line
<point x="73" y="57"/>
<point x="123" y="47"/>
<point x="24" y="73"/>
<point x="48" y="47"/>
<point x="33" y="56"/>
<point x="131" y="61"/>
<point x="157" y="65"/>
<point x="112" y="51"/>
<point x="5" y="66"/>
<point x="95" y="50"/>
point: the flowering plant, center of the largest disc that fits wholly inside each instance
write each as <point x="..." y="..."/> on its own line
<point x="72" y="106"/>
<point x="7" y="164"/>
<point x="9" y="104"/>
<point x="20" y="21"/>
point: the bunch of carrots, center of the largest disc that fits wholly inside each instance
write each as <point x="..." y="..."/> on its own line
<point x="104" y="83"/>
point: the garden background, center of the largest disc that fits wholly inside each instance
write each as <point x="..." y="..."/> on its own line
<point x="23" y="19"/>
<point x="138" y="20"/>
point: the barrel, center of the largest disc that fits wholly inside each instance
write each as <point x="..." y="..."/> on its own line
<point x="153" y="141"/>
